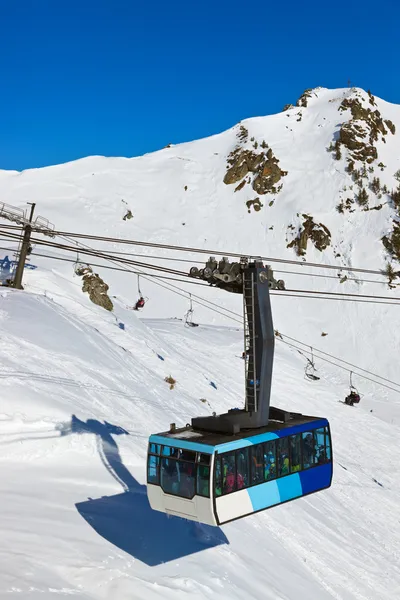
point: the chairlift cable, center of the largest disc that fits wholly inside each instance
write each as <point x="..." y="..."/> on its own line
<point x="205" y="251"/>
<point x="214" y="252"/>
<point x="348" y="370"/>
<point x="200" y="302"/>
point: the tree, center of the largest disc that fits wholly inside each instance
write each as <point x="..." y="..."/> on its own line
<point x="362" y="197"/>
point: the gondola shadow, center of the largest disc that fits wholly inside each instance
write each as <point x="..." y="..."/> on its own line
<point x="126" y="520"/>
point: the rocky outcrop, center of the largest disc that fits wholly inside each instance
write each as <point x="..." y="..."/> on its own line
<point x="256" y="204"/>
<point x="94" y="285"/>
<point x="269" y="174"/>
<point x="242" y="162"/>
<point x="357" y="143"/>
<point x="262" y="167"/>
<point x="128" y="215"/>
<point x="303" y="100"/>
<point x="317" y="233"/>
<point x="364" y="129"/>
<point x="392" y="241"/>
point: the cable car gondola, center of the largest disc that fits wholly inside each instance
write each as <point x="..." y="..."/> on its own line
<point x="225" y="467"/>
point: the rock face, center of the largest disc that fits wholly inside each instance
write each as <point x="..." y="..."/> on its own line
<point x="357" y="143"/>
<point x="303" y="100"/>
<point x="256" y="204"/>
<point x="260" y="164"/>
<point x="95" y="287"/>
<point x="317" y="233"/>
<point x="362" y="131"/>
<point x="392" y="242"/>
<point x="269" y="175"/>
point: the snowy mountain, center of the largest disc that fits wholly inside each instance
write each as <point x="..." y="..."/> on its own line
<point x="81" y="395"/>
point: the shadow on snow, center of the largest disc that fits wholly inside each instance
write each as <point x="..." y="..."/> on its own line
<point x="126" y="520"/>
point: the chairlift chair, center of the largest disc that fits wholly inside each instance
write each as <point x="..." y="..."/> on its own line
<point x="79" y="267"/>
<point x="144" y="298"/>
<point x="189" y="315"/>
<point x="309" y="371"/>
<point x="354" y="396"/>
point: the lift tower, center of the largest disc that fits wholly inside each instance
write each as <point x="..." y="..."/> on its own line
<point x="253" y="280"/>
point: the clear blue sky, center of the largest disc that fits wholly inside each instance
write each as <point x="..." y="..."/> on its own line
<point x="124" y="77"/>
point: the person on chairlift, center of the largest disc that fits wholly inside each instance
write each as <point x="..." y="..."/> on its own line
<point x="139" y="304"/>
<point x="352" y="398"/>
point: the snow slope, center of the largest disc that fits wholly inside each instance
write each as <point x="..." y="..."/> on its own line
<point x="75" y="519"/>
<point x="80" y="395"/>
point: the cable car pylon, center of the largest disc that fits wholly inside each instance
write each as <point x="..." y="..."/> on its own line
<point x="253" y="280"/>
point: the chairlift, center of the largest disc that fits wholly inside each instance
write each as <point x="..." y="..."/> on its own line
<point x="354" y="396"/>
<point x="352" y="387"/>
<point x="79" y="267"/>
<point x="309" y="371"/>
<point x="189" y="315"/>
<point x="142" y="299"/>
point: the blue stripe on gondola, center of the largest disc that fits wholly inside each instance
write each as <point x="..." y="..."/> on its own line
<point x="185" y="445"/>
<point x="290" y="487"/>
<point x="264" y="495"/>
<point x="275" y="492"/>
<point x="316" y="478"/>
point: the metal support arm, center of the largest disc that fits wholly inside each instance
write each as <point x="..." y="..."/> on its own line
<point x="254" y="281"/>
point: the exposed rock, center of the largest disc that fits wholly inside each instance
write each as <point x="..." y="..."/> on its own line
<point x="128" y="215"/>
<point x="391" y="126"/>
<point x="256" y="204"/>
<point x="303" y="100"/>
<point x="392" y="241"/>
<point x="95" y="287"/>
<point x="239" y="161"/>
<point x="269" y="175"/>
<point x="240" y="186"/>
<point x="365" y="127"/>
<point x="264" y="166"/>
<point x="317" y="233"/>
<point x="287" y="107"/>
<point x="371" y="98"/>
<point x="261" y="167"/>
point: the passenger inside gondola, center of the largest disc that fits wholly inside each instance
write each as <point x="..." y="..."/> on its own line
<point x="257" y="466"/>
<point x="308" y="449"/>
<point x="269" y="460"/>
<point x="228" y="469"/>
<point x="295" y="453"/>
<point x="283" y="457"/>
<point x="242" y="474"/>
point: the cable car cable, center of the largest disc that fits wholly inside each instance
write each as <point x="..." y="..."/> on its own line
<point x="213" y="252"/>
